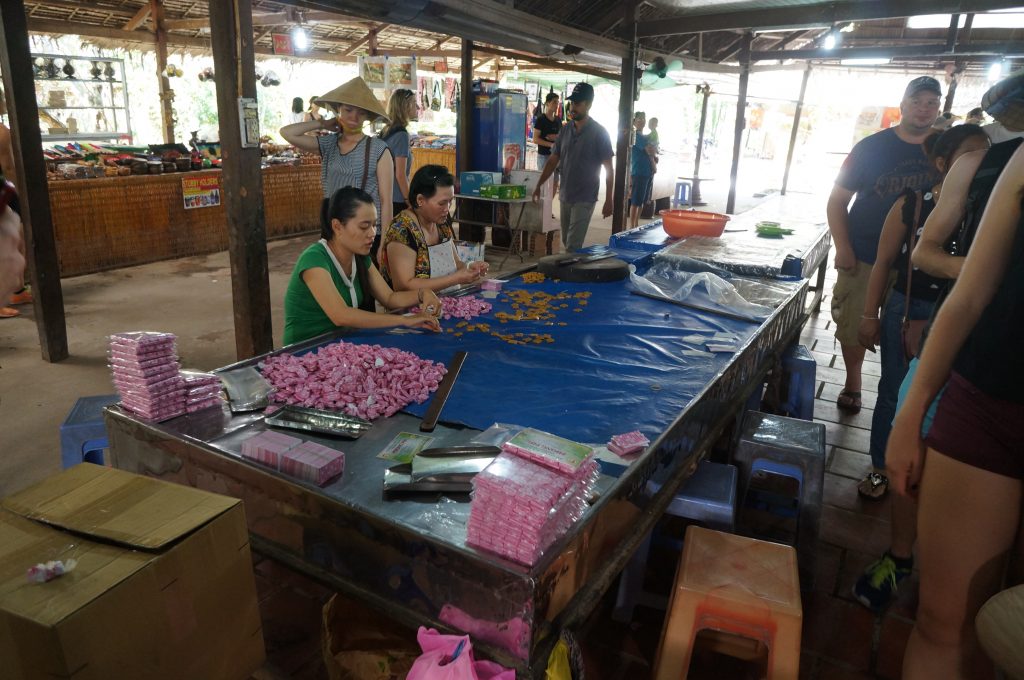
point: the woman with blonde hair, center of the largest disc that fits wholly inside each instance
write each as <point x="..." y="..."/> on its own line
<point x="348" y="157"/>
<point x="402" y="110"/>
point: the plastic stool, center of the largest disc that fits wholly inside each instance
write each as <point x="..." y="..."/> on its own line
<point x="82" y="434"/>
<point x="799" y="371"/>
<point x="799" y="444"/>
<point x="707" y="497"/>
<point x="683" y="193"/>
<point x="736" y="585"/>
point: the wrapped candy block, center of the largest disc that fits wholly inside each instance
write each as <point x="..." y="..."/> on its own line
<point x="629" y="443"/>
<point x="267" y="447"/>
<point x="549" y="450"/>
<point x="521" y="507"/>
<point x="313" y="462"/>
<point x="196" y="379"/>
<point x="192" y="407"/>
<point x="492" y="284"/>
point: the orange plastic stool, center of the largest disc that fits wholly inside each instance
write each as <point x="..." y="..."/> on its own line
<point x="737" y="585"/>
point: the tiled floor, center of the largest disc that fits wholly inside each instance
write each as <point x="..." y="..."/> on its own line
<point x="841" y="639"/>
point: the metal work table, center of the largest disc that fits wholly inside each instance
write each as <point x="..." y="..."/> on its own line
<point x="408" y="558"/>
<point x="797" y="255"/>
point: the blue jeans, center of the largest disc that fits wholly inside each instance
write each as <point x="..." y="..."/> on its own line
<point x="894" y="368"/>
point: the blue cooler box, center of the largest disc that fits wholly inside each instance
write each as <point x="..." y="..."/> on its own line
<point x="470" y="182"/>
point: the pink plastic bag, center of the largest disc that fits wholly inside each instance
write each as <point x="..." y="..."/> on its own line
<point x="450" y="657"/>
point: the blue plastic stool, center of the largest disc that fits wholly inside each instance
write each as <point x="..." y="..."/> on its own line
<point x="708" y="498"/>
<point x="799" y="375"/>
<point x="682" y="196"/>
<point x="773" y="446"/>
<point x="82" y="434"/>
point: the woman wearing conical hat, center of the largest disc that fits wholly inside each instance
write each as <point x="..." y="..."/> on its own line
<point x="347" y="156"/>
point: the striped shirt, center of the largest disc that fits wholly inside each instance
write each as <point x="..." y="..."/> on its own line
<point x="339" y="170"/>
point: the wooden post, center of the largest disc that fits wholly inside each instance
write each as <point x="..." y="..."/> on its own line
<point x="33" y="191"/>
<point x="166" y="93"/>
<point x="741" y="121"/>
<point x="705" y="91"/>
<point x="796" y="127"/>
<point x="465" y="120"/>
<point x="242" y="180"/>
<point x="627" y="95"/>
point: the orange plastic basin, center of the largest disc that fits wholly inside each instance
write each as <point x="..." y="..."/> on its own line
<point x="683" y="223"/>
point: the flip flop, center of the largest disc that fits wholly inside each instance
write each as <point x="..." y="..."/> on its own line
<point x="8" y="312"/>
<point x="873" y="487"/>
<point x="849" y="401"/>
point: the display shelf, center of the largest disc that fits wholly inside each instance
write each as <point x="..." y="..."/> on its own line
<point x="61" y="92"/>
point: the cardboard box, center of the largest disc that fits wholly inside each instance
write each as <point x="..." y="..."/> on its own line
<point x="470" y="182"/>
<point x="163" y="586"/>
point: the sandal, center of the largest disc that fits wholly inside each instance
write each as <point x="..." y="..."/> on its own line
<point x="849" y="401"/>
<point x="874" y="486"/>
<point x="8" y="312"/>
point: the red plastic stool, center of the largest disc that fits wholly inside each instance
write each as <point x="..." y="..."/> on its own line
<point x="736" y="585"/>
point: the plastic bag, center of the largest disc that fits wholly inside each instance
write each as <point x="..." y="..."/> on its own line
<point x="700" y="289"/>
<point x="450" y="657"/>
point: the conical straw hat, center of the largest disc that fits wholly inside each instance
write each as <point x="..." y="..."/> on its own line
<point x="354" y="93"/>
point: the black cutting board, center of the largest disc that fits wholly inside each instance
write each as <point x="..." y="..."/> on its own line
<point x="598" y="271"/>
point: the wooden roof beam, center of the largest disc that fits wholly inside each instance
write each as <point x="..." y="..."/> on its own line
<point x="139" y="18"/>
<point x="822" y="14"/>
<point x="370" y="35"/>
<point x="561" y="66"/>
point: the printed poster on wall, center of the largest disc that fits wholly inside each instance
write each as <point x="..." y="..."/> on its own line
<point x="388" y="73"/>
<point x="201" y="192"/>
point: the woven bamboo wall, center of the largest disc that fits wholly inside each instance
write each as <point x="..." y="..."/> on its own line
<point x="421" y="157"/>
<point x="116" y="222"/>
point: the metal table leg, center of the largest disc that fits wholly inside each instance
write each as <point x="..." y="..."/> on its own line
<point x="515" y="247"/>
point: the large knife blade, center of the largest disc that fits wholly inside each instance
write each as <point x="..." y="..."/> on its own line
<point x="443" y="390"/>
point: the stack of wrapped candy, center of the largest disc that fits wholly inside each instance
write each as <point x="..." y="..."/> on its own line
<point x="145" y="370"/>
<point x="267" y="447"/>
<point x="202" y="390"/>
<point x="629" y="443"/>
<point x="304" y="460"/>
<point x="313" y="463"/>
<point x="522" y="505"/>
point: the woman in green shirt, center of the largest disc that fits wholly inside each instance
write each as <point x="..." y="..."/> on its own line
<point x="334" y="283"/>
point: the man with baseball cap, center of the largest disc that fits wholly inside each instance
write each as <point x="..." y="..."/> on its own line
<point x="580" y="150"/>
<point x="877" y="170"/>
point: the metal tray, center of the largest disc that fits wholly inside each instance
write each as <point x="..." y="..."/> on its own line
<point x="315" y="420"/>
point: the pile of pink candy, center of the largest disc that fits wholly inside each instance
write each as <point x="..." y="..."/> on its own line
<point x="463" y="307"/>
<point x="520" y="507"/>
<point x="303" y="460"/>
<point x="145" y="371"/>
<point x="368" y="381"/>
<point x="202" y="390"/>
<point x="629" y="443"/>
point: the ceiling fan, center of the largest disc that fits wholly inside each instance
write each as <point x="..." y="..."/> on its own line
<point x="655" y="76"/>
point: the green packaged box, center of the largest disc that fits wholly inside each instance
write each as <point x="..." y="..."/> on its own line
<point x="490" y="191"/>
<point x="508" y="191"/>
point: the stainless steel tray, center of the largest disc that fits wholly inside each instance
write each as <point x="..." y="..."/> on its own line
<point x="315" y="420"/>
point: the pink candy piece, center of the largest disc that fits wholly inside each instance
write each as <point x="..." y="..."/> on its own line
<point x="313" y="462"/>
<point x="368" y="381"/>
<point x="492" y="284"/>
<point x="465" y="307"/>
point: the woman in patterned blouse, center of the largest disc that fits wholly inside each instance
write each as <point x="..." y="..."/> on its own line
<point x="418" y="249"/>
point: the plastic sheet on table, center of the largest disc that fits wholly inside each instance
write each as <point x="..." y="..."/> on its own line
<point x="748" y="258"/>
<point x="704" y="289"/>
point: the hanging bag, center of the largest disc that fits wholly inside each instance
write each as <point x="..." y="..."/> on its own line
<point x="435" y="103"/>
<point x="911" y="330"/>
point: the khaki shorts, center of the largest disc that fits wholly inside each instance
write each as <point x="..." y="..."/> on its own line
<point x="848" y="302"/>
